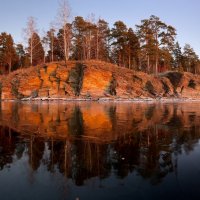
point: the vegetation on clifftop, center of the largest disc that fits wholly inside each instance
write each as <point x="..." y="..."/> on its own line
<point x="149" y="47"/>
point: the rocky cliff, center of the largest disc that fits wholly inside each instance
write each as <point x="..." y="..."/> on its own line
<point x="95" y="80"/>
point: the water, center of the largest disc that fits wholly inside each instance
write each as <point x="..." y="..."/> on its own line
<point x="84" y="151"/>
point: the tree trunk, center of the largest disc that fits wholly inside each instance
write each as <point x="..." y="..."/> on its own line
<point x="65" y="159"/>
<point x="119" y="58"/>
<point x="129" y="58"/>
<point x="129" y="62"/>
<point x="156" y="66"/>
<point x="123" y="60"/>
<point x="52" y="153"/>
<point x="97" y="56"/>
<point x="89" y="49"/>
<point x="148" y="63"/>
<point x="65" y="44"/>
<point x="84" y="51"/>
<point x="52" y="43"/>
<point x="157" y="49"/>
<point x="10" y="65"/>
<point x="31" y="50"/>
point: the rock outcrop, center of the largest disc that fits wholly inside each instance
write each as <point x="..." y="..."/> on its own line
<point x="95" y="80"/>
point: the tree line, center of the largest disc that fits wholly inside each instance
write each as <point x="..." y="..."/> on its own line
<point x="151" y="47"/>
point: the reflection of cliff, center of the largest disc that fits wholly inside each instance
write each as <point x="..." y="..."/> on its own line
<point x="94" y="140"/>
<point x="103" y="122"/>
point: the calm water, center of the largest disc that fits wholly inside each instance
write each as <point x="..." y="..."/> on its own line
<point x="83" y="151"/>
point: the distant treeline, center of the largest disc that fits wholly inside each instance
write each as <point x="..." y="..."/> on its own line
<point x="150" y="47"/>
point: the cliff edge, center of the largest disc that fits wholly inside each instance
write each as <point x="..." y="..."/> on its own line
<point x="95" y="80"/>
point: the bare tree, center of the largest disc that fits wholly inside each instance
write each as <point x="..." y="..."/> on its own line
<point x="52" y="36"/>
<point x="45" y="45"/>
<point x="64" y="13"/>
<point x="90" y="26"/>
<point x="29" y="35"/>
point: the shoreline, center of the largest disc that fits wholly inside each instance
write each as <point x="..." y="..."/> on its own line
<point x="103" y="99"/>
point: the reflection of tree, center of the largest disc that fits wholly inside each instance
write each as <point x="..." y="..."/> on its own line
<point x="148" y="152"/>
<point x="125" y="155"/>
<point x="142" y="152"/>
<point x="149" y="145"/>
<point x="8" y="146"/>
<point x="56" y="149"/>
<point x="20" y="148"/>
<point x="89" y="160"/>
<point x="187" y="139"/>
<point x="36" y="151"/>
<point x="79" y="160"/>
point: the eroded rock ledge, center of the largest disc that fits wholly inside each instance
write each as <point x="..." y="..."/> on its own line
<point x="93" y="80"/>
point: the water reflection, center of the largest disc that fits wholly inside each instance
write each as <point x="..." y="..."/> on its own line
<point x="151" y="145"/>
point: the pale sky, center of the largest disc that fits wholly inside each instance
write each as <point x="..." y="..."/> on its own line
<point x="184" y="15"/>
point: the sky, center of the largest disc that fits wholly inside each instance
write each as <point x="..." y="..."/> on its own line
<point x="184" y="15"/>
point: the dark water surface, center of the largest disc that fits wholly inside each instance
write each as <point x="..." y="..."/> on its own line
<point x="83" y="151"/>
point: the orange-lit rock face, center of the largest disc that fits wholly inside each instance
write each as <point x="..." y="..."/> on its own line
<point x="29" y="85"/>
<point x="95" y="82"/>
<point x="103" y="122"/>
<point x="95" y="79"/>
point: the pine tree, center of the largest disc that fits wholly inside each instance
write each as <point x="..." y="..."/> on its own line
<point x="78" y="38"/>
<point x="7" y="51"/>
<point x="125" y="46"/>
<point x="177" y="57"/>
<point x="132" y="49"/>
<point x="190" y="58"/>
<point x="84" y="39"/>
<point x="157" y="37"/>
<point x="147" y="43"/>
<point x="51" y="40"/>
<point x="21" y="54"/>
<point x="118" y="34"/>
<point x="102" y="40"/>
